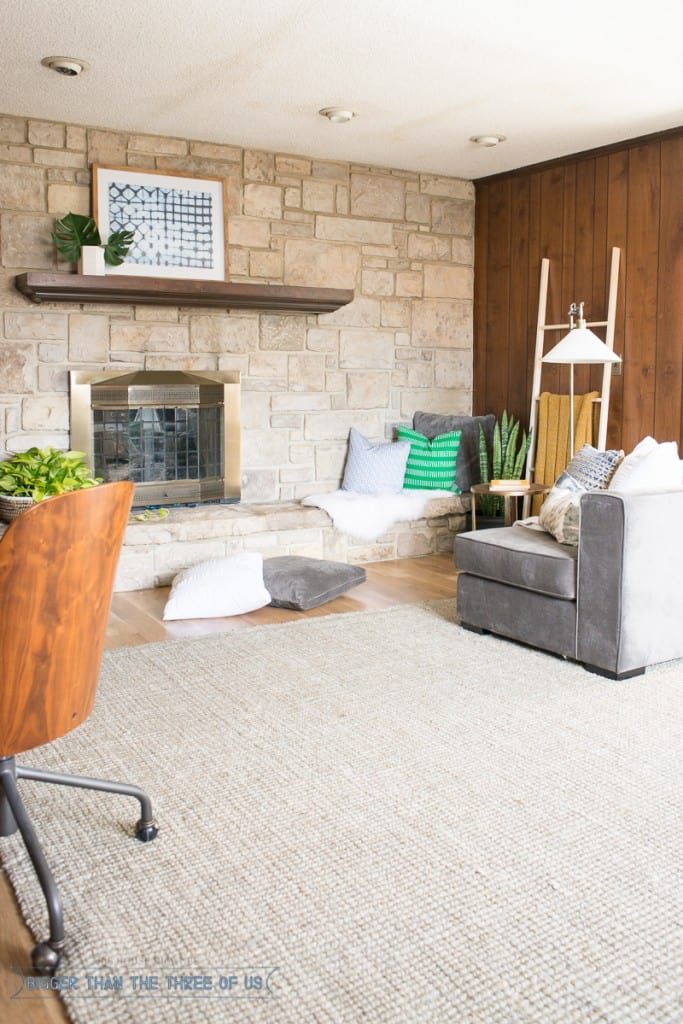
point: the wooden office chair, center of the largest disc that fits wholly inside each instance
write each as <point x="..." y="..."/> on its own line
<point x="57" y="565"/>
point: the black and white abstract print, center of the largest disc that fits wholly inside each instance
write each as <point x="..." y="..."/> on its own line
<point x="172" y="227"/>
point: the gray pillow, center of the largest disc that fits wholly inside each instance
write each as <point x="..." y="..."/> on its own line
<point x="294" y="581"/>
<point x="374" y="468"/>
<point x="467" y="467"/>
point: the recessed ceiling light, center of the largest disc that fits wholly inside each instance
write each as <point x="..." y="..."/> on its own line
<point x="337" y="115"/>
<point x="487" y="140"/>
<point x="69" y="66"/>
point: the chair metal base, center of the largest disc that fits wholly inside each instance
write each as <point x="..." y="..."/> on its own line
<point x="13" y="816"/>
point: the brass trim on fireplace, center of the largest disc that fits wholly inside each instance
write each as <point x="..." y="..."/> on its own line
<point x="82" y="435"/>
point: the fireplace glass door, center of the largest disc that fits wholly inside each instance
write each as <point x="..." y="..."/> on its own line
<point x="173" y="435"/>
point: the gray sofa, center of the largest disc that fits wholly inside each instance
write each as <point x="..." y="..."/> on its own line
<point x="614" y="604"/>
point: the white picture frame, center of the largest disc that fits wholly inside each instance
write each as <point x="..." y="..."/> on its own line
<point x="178" y="221"/>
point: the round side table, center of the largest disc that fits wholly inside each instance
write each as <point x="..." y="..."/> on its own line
<point x="509" y="496"/>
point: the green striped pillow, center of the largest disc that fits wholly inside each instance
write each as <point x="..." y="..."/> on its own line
<point x="431" y="464"/>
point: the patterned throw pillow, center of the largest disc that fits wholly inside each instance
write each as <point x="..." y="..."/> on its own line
<point x="374" y="468"/>
<point x="560" y="515"/>
<point x="589" y="470"/>
<point x="431" y="464"/>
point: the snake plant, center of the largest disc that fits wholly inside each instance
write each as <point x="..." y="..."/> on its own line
<point x="508" y="456"/>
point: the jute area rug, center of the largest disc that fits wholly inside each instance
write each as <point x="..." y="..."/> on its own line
<point x="372" y="817"/>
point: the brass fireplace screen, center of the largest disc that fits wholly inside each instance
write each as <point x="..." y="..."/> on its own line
<point x="176" y="435"/>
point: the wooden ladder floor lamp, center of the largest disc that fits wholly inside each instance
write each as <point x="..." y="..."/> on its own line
<point x="579" y="346"/>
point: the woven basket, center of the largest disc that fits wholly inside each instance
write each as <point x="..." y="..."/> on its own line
<point x="11" y="507"/>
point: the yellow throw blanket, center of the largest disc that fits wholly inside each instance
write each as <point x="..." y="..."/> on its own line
<point x="552" y="438"/>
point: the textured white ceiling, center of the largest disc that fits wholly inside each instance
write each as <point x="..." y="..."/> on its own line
<point x="423" y="75"/>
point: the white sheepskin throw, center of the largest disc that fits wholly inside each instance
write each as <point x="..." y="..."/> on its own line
<point x="368" y="516"/>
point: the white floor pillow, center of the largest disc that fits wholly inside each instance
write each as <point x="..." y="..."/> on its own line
<point x="217" y="588"/>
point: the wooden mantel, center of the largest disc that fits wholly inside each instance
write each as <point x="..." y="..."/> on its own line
<point x="162" y="291"/>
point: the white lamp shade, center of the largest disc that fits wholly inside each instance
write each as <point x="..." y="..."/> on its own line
<point x="581" y="346"/>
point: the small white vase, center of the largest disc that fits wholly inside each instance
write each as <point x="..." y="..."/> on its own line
<point x="91" y="260"/>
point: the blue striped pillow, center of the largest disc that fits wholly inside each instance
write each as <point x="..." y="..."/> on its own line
<point x="431" y="464"/>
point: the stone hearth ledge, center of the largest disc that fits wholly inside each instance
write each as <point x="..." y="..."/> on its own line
<point x="154" y="551"/>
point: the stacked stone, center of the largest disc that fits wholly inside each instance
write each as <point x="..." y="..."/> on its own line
<point x="403" y="241"/>
<point x="154" y="551"/>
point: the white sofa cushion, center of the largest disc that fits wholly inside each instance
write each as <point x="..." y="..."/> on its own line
<point x="649" y="467"/>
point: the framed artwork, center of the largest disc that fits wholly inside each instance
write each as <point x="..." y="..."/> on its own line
<point x="178" y="221"/>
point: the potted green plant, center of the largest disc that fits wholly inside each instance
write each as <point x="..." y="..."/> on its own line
<point x="39" y="473"/>
<point x="77" y="239"/>
<point x="508" y="455"/>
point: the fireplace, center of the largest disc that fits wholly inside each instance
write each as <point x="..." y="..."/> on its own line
<point x="176" y="435"/>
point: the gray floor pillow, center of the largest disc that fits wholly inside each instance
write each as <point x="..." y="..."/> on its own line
<point x="294" y="581"/>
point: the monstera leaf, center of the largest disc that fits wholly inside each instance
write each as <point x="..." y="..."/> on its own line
<point x="72" y="232"/>
<point x="117" y="246"/>
<point x="75" y="230"/>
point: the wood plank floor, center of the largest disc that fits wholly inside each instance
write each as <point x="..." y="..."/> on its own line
<point x="136" y="619"/>
<point x="136" y="615"/>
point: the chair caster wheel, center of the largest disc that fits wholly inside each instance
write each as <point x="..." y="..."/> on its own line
<point x="45" y="959"/>
<point x="145" y="832"/>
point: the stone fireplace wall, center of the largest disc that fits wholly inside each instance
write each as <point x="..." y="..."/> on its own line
<point x="402" y="240"/>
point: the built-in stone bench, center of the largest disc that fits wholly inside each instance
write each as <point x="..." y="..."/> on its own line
<point x="154" y="551"/>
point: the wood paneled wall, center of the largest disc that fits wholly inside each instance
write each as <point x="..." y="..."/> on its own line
<point x="574" y="211"/>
